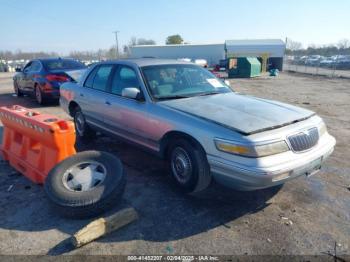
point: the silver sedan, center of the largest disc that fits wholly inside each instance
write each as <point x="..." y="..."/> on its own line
<point x="205" y="131"/>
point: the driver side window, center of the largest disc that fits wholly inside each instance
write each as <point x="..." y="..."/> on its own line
<point x="35" y="66"/>
<point x="124" y="77"/>
<point x="26" y="69"/>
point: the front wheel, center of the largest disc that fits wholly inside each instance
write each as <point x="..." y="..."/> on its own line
<point x="189" y="166"/>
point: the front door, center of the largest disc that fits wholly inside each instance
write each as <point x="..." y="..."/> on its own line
<point x="127" y="117"/>
<point x="23" y="77"/>
<point x="30" y="75"/>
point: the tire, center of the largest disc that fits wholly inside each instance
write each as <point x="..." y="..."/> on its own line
<point x="82" y="129"/>
<point x="71" y="202"/>
<point x="191" y="159"/>
<point x="17" y="91"/>
<point x="39" y="95"/>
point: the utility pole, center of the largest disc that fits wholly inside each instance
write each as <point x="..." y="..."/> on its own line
<point x="117" y="44"/>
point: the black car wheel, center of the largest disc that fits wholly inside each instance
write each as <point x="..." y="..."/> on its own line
<point x="39" y="95"/>
<point x="82" y="129"/>
<point x="188" y="166"/>
<point x="17" y="91"/>
<point x="86" y="184"/>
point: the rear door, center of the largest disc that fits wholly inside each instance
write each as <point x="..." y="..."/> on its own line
<point x="92" y="97"/>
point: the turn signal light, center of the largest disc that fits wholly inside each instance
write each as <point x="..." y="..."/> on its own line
<point x="281" y="177"/>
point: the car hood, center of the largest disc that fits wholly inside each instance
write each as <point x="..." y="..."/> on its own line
<point x="244" y="114"/>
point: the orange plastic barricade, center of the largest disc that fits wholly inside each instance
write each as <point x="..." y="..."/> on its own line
<point x="34" y="143"/>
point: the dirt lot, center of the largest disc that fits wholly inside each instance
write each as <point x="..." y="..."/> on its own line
<point x="221" y="221"/>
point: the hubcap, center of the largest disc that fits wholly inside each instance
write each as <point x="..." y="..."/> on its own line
<point x="84" y="176"/>
<point x="79" y="123"/>
<point x="38" y="94"/>
<point x="181" y="165"/>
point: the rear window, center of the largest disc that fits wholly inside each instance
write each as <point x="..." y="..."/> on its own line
<point x="62" y="64"/>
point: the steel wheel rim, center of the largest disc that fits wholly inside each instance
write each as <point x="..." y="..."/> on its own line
<point x="84" y="176"/>
<point x="79" y="123"/>
<point x="38" y="94"/>
<point x="181" y="165"/>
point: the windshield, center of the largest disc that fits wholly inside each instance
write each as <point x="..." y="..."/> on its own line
<point x="181" y="80"/>
<point x="62" y="64"/>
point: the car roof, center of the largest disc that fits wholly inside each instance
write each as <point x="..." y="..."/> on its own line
<point x="140" y="62"/>
<point x="53" y="59"/>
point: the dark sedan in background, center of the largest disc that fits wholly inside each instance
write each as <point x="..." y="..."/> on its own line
<point x="43" y="77"/>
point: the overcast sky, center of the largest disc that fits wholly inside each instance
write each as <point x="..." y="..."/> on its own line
<point x="65" y="25"/>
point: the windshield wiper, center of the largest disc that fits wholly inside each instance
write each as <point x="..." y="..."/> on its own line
<point x="209" y="93"/>
<point x="171" y="97"/>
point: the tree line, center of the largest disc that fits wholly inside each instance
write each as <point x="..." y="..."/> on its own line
<point x="101" y="54"/>
<point x="292" y="48"/>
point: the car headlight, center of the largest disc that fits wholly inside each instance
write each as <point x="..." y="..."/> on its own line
<point x="322" y="129"/>
<point x="251" y="150"/>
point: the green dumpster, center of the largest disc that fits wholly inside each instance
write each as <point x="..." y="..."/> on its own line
<point x="244" y="67"/>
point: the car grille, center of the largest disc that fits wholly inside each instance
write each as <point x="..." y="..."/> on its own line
<point x="304" y="140"/>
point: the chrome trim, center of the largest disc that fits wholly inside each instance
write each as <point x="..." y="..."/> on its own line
<point x="304" y="140"/>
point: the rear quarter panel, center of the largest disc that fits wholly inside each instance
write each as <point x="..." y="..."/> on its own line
<point x="68" y="93"/>
<point x="69" y="90"/>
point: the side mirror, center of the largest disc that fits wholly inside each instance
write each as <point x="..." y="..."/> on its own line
<point x="18" y="69"/>
<point x="133" y="93"/>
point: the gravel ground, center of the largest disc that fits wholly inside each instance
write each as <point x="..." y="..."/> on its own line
<point x="221" y="221"/>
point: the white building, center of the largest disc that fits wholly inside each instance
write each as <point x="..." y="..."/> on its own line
<point x="269" y="51"/>
<point x="210" y="52"/>
<point x="255" y="47"/>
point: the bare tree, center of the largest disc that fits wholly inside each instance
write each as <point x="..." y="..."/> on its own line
<point x="133" y="41"/>
<point x="137" y="41"/>
<point x="142" y="41"/>
<point x="343" y="43"/>
<point x="293" y="45"/>
<point x="126" y="49"/>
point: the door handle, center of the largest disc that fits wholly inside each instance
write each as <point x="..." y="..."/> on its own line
<point x="107" y="103"/>
<point x="82" y="95"/>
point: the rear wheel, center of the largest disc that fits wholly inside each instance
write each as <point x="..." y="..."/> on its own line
<point x="39" y="95"/>
<point x="82" y="129"/>
<point x="17" y="91"/>
<point x="188" y="166"/>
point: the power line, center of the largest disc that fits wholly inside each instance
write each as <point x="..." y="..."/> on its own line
<point x="117" y="44"/>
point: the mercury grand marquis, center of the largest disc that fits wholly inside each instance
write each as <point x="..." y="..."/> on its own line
<point x="195" y="121"/>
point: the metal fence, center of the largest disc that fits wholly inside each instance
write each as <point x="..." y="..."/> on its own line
<point x="331" y="69"/>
